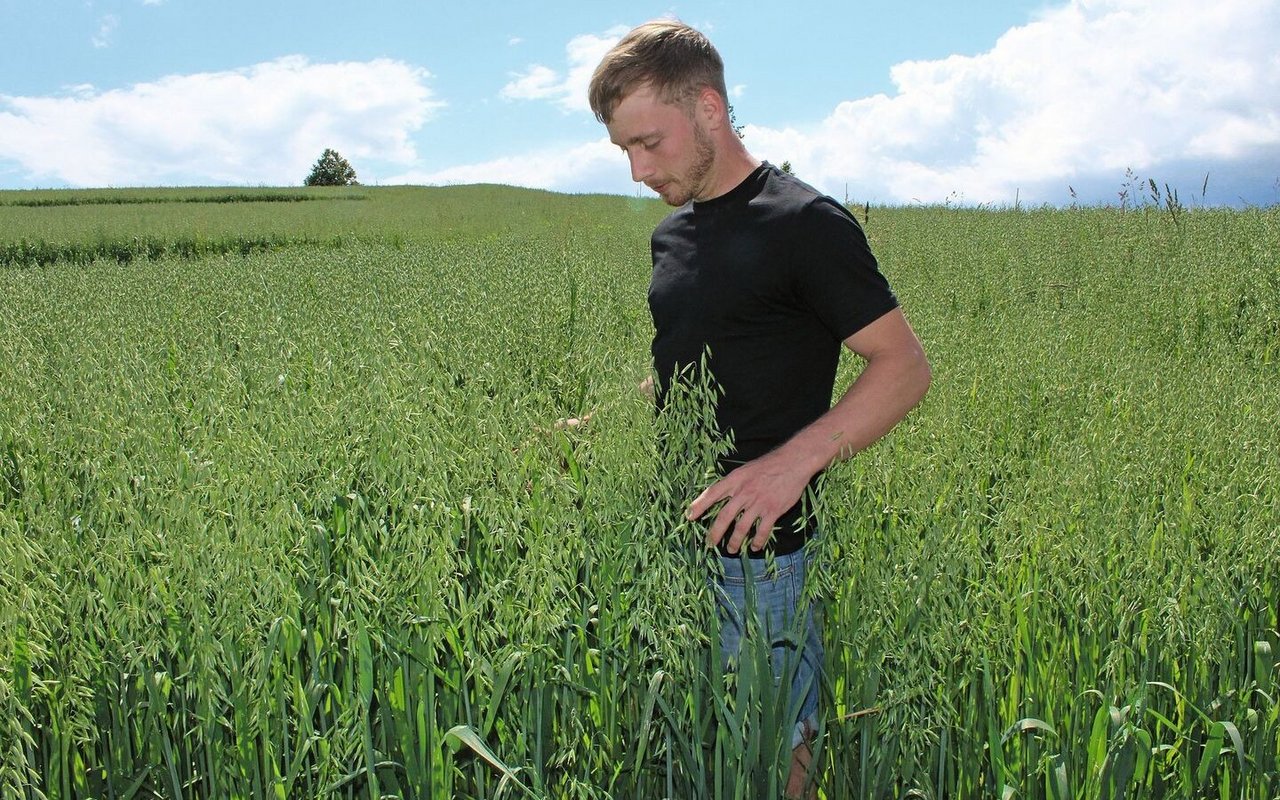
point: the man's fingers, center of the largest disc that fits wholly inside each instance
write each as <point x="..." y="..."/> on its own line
<point x="748" y="529"/>
<point x="741" y="528"/>
<point x="720" y="525"/>
<point x="764" y="529"/>
<point x="710" y="496"/>
<point x="745" y="517"/>
<point x="700" y="504"/>
<point x="758" y="529"/>
<point x="725" y="518"/>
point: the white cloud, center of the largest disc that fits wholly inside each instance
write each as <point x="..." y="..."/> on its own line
<point x="1172" y="89"/>
<point x="567" y="89"/>
<point x="1084" y="92"/>
<point x="596" y="166"/>
<point x="536" y="83"/>
<point x="106" y="31"/>
<point x="263" y="124"/>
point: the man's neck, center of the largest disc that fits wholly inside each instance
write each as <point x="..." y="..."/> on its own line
<point x="732" y="167"/>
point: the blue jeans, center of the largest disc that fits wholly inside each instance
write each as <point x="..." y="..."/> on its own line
<point x="778" y="594"/>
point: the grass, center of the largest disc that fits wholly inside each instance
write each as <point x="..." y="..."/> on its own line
<point x="297" y="521"/>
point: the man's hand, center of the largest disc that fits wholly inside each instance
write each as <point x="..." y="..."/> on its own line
<point x="894" y="379"/>
<point x="754" y="494"/>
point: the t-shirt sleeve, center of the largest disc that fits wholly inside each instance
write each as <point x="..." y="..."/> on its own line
<point x="837" y="275"/>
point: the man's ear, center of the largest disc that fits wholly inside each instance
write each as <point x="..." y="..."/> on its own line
<point x="711" y="109"/>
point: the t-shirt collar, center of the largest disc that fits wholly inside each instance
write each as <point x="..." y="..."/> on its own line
<point x="746" y="188"/>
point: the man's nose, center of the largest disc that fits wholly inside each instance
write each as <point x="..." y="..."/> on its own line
<point x="640" y="167"/>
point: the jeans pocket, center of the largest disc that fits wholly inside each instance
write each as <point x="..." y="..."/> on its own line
<point x="761" y="570"/>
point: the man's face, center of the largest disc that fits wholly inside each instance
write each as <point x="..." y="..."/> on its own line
<point x="669" y="152"/>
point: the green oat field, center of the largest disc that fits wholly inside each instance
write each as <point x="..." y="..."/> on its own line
<point x="351" y="494"/>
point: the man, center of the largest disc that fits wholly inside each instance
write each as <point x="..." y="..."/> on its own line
<point x="767" y="278"/>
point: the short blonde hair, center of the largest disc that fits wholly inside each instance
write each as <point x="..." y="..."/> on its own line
<point x="676" y="60"/>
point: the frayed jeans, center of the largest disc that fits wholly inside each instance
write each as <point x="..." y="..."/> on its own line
<point x="795" y="644"/>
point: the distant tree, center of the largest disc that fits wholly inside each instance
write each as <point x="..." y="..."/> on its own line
<point x="733" y="122"/>
<point x="331" y="169"/>
<point x="786" y="167"/>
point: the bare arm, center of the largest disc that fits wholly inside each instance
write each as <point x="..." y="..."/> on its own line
<point x="895" y="378"/>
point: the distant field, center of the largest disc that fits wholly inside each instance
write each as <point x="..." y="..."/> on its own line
<point x="292" y="504"/>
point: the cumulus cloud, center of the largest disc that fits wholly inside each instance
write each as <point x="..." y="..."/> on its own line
<point x="596" y="166"/>
<point x="263" y="124"/>
<point x="1174" y="90"/>
<point x="566" y="89"/>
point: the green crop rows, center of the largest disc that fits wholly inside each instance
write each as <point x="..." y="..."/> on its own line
<point x="358" y="498"/>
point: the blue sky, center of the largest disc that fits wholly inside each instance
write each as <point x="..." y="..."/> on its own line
<point x="888" y="102"/>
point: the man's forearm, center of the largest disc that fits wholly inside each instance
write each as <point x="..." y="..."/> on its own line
<point x="757" y="493"/>
<point x="882" y="395"/>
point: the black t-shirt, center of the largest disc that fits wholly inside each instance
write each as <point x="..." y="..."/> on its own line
<point x="768" y="280"/>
